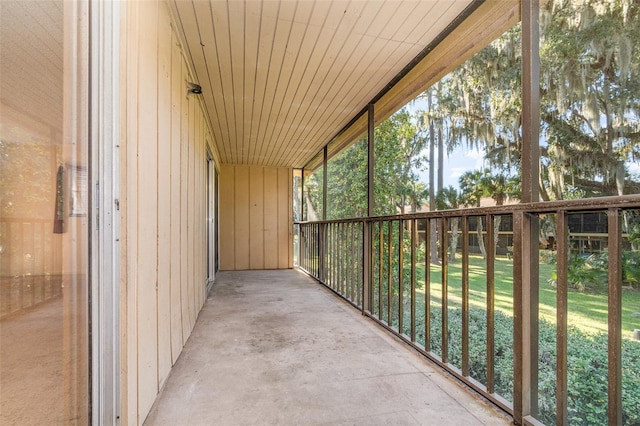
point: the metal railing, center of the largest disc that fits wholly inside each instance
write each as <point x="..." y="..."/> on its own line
<point x="30" y="264"/>
<point x="400" y="271"/>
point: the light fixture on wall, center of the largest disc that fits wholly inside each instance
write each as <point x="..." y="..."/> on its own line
<point x="194" y="88"/>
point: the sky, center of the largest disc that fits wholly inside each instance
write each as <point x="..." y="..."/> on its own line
<point x="461" y="160"/>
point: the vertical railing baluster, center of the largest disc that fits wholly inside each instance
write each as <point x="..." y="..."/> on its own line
<point x="354" y="262"/>
<point x="340" y="282"/>
<point x="414" y="241"/>
<point x="465" y="296"/>
<point x="390" y="274"/>
<point x="490" y="250"/>
<point x="22" y="266"/>
<point x="312" y="239"/>
<point x="338" y="259"/>
<point x="303" y="247"/>
<point x="367" y="267"/>
<point x="365" y="260"/>
<point x="332" y="256"/>
<point x="357" y="264"/>
<point x="427" y="285"/>
<point x="615" y="316"/>
<point x="314" y="249"/>
<point x="350" y="262"/>
<point x="380" y="269"/>
<point x="359" y="269"/>
<point x="562" y="265"/>
<point x="346" y="267"/>
<point x="400" y="276"/>
<point x="320" y="251"/>
<point x="310" y="232"/>
<point x="444" y="236"/>
<point x="326" y="278"/>
<point x="347" y="260"/>
<point x="317" y="248"/>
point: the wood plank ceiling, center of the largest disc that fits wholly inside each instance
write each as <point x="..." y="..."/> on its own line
<point x="281" y="78"/>
<point x="31" y="64"/>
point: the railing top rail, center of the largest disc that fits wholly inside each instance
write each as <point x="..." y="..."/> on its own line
<point x="582" y="205"/>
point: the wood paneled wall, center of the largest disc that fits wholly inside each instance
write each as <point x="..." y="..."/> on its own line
<point x="164" y="140"/>
<point x="255" y="217"/>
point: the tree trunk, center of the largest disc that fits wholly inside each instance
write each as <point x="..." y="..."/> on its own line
<point x="483" y="250"/>
<point x="496" y="233"/>
<point x="453" y="244"/>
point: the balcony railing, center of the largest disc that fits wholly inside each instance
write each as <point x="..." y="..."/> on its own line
<point x="30" y="264"/>
<point x="480" y="316"/>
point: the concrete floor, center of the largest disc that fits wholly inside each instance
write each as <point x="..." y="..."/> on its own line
<point x="275" y="347"/>
<point x="31" y="366"/>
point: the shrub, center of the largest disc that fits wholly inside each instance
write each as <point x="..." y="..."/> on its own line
<point x="548" y="256"/>
<point x="587" y="365"/>
<point x="631" y="268"/>
<point x="589" y="273"/>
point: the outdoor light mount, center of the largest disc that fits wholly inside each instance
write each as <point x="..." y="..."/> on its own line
<point x="194" y="88"/>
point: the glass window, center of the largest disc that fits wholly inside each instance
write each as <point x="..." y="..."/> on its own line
<point x="44" y="212"/>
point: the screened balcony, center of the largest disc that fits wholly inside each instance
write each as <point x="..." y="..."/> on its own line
<point x="464" y="174"/>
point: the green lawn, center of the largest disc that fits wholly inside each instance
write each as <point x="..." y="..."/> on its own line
<point x="586" y="311"/>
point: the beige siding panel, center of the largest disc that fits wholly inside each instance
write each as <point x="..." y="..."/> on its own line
<point x="129" y="212"/>
<point x="271" y="218"/>
<point x="227" y="218"/>
<point x="176" y="251"/>
<point x="285" y="212"/>
<point x="184" y="211"/>
<point x="163" y="179"/>
<point x="147" y="254"/>
<point x="164" y="195"/>
<point x="191" y="214"/>
<point x="256" y="218"/>
<point x="241" y="227"/>
<point x="201" y="214"/>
